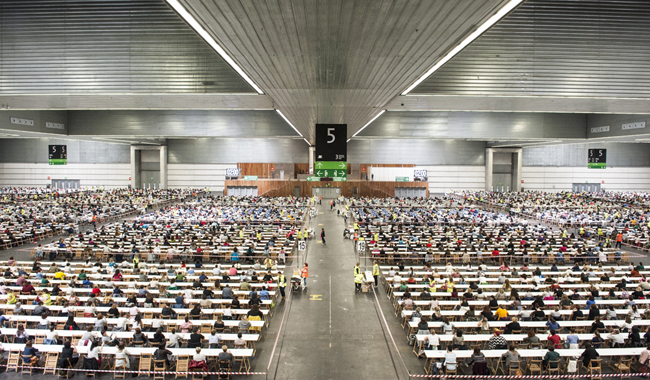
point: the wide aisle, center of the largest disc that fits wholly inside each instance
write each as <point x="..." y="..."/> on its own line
<point x="331" y="332"/>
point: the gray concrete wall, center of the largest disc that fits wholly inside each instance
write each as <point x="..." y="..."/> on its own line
<point x="215" y="151"/>
<point x="36" y="151"/>
<point x="618" y="155"/>
<point x="419" y="152"/>
<point x="477" y="125"/>
<point x="39" y="118"/>
<point x="177" y="123"/>
<point x="615" y="123"/>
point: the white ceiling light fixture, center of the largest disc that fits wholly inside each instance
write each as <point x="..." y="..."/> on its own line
<point x="512" y="4"/>
<point x="367" y="124"/>
<point x="288" y="122"/>
<point x="206" y="36"/>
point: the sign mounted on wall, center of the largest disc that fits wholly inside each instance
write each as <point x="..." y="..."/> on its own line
<point x="331" y="142"/>
<point x="232" y="172"/>
<point x="597" y="159"/>
<point x="57" y="154"/>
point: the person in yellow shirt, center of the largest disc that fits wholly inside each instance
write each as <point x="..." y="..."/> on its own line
<point x="47" y="301"/>
<point x="59" y="275"/>
<point x="375" y="272"/>
<point x="11" y="298"/>
<point x="500" y="313"/>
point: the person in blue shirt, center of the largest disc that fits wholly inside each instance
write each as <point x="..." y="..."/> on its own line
<point x="234" y="257"/>
<point x="264" y="294"/>
<point x="31" y="352"/>
<point x="572" y="340"/>
<point x="590" y="302"/>
<point x="180" y="301"/>
<point x="552" y="324"/>
<point x="203" y="277"/>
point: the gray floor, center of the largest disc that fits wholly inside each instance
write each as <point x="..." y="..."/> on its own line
<point x="328" y="331"/>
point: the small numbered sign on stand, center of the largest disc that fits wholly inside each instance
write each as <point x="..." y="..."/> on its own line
<point x="302" y="245"/>
<point x="362" y="246"/>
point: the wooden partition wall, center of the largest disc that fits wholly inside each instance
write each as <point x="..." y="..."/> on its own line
<point x="262" y="170"/>
<point x="279" y="188"/>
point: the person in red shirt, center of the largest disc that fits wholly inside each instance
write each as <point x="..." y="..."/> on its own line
<point x="304" y="273"/>
<point x="555" y="339"/>
<point x="28" y="288"/>
<point x="619" y="240"/>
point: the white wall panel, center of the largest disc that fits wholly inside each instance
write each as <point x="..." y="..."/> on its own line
<point x="212" y="176"/>
<point x="553" y="178"/>
<point x="31" y="174"/>
<point x="455" y="177"/>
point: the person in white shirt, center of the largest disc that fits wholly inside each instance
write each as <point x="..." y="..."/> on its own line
<point x="214" y="339"/>
<point x="174" y="339"/>
<point x="51" y="336"/>
<point x="217" y="270"/>
<point x="432" y="341"/>
<point x="198" y="357"/>
<point x="616" y="338"/>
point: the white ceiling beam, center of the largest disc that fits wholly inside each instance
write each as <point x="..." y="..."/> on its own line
<point x="136" y="102"/>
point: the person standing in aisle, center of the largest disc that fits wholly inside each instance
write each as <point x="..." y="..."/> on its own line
<point x="282" y="283"/>
<point x="358" y="279"/>
<point x="322" y="235"/>
<point x="320" y="200"/>
<point x="357" y="272"/>
<point x="304" y="273"/>
<point x="375" y="272"/>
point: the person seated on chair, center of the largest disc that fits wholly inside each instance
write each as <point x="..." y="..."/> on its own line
<point x="162" y="353"/>
<point x="511" y="356"/>
<point x="158" y="336"/>
<point x="31" y="352"/>
<point x="497" y="341"/>
<point x="140" y="338"/>
<point x="551" y="357"/>
<point x="67" y="358"/>
<point x="616" y="338"/>
<point x="21" y="335"/>
<point x="226" y="356"/>
<point x="512" y="326"/>
<point x="122" y="357"/>
<point x="195" y="338"/>
<point x="588" y="354"/>
<point x="450" y="360"/>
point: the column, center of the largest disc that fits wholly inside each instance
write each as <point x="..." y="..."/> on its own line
<point x="488" y="168"/>
<point x="517" y="159"/>
<point x="135" y="166"/>
<point x="312" y="151"/>
<point x="163" y="167"/>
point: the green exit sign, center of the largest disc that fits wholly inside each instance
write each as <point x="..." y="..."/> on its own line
<point x="334" y="165"/>
<point x="597" y="165"/>
<point x="401" y="179"/>
<point x="250" y="178"/>
<point x="313" y="179"/>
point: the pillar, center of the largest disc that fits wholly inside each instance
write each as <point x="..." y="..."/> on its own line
<point x="489" y="152"/>
<point x="163" y="167"/>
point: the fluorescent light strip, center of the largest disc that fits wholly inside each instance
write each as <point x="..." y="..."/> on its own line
<point x="368" y="123"/>
<point x="486" y="25"/>
<point x="288" y="122"/>
<point x="306" y="141"/>
<point x="197" y="27"/>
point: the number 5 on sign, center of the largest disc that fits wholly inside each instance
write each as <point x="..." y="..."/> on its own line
<point x="330" y="134"/>
<point x="302" y="245"/>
